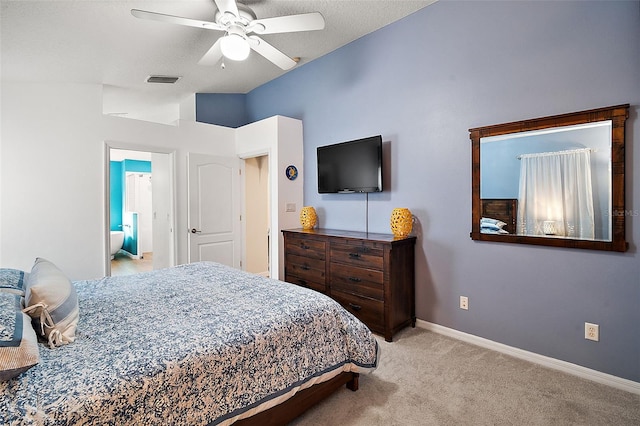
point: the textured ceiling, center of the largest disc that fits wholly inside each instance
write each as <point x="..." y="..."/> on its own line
<point x="101" y="42"/>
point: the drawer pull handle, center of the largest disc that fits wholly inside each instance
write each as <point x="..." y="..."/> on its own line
<point x="304" y="268"/>
<point x="355" y="307"/>
<point x="304" y="246"/>
<point x="354" y="255"/>
<point x="354" y="279"/>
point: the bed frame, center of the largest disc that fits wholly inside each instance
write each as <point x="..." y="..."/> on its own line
<point x="504" y="209"/>
<point x="290" y="409"/>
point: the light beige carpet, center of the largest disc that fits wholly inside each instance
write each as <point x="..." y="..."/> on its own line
<point x="425" y="378"/>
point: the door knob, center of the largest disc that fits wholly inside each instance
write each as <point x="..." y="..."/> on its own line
<point x="195" y="231"/>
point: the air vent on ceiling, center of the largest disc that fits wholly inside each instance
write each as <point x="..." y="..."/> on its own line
<point x="165" y="79"/>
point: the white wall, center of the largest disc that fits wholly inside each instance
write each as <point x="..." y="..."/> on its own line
<point x="290" y="151"/>
<point x="52" y="169"/>
<point x="280" y="138"/>
<point x="52" y="177"/>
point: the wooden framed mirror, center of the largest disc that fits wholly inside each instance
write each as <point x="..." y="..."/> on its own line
<point x="555" y="181"/>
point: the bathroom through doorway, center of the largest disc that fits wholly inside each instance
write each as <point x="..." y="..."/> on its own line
<point x="140" y="199"/>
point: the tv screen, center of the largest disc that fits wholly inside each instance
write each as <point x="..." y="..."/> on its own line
<point x="354" y="166"/>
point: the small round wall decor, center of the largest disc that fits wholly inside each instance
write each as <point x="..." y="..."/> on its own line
<point x="291" y="172"/>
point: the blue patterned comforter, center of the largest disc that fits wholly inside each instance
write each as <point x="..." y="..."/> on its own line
<point x="194" y="344"/>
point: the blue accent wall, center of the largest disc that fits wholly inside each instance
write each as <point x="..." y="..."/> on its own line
<point x="117" y="189"/>
<point x="136" y="166"/>
<point x="422" y="83"/>
<point x="222" y="109"/>
<point x="130" y="243"/>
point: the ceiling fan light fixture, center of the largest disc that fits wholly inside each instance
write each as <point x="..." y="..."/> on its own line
<point x="242" y="31"/>
<point x="235" y="47"/>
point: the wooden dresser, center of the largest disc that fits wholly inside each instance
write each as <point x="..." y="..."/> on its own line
<point x="371" y="275"/>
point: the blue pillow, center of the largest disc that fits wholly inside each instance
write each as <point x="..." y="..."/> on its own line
<point x="18" y="342"/>
<point x="12" y="278"/>
<point x="491" y="226"/>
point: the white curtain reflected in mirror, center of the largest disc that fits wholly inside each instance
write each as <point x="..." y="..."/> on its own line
<point x="558" y="178"/>
<point x="555" y="195"/>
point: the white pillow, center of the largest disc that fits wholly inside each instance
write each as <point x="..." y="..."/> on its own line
<point x="52" y="302"/>
<point x="488" y="220"/>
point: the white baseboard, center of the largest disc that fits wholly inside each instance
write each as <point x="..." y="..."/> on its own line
<point x="556" y="364"/>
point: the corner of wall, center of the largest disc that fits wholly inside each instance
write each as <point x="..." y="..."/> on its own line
<point x="188" y="108"/>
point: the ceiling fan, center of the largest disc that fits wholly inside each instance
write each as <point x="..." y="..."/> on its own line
<point x="242" y="31"/>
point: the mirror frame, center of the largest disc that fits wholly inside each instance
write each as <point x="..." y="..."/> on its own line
<point x="618" y="115"/>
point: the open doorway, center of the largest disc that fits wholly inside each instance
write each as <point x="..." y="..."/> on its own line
<point x="257" y="218"/>
<point x="141" y="211"/>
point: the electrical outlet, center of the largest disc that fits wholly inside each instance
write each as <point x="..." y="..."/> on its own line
<point x="464" y="303"/>
<point x="591" y="331"/>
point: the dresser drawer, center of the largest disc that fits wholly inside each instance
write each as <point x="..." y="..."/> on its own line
<point x="369" y="311"/>
<point x="362" y="255"/>
<point x="306" y="267"/>
<point x="304" y="282"/>
<point x="358" y="281"/>
<point x="305" y="247"/>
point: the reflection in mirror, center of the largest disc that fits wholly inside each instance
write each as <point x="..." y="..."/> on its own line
<point x="559" y="177"/>
<point x="553" y="181"/>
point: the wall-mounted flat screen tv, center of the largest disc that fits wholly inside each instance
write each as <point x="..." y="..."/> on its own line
<point x="353" y="166"/>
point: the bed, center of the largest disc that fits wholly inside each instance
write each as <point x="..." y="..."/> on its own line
<point x="501" y="209"/>
<point x="193" y="344"/>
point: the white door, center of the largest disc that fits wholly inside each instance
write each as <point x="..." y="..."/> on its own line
<point x="145" y="231"/>
<point x="162" y="189"/>
<point x="138" y="200"/>
<point x="214" y="209"/>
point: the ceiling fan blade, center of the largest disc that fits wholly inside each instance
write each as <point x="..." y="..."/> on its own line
<point x="271" y="53"/>
<point x="143" y="14"/>
<point x="213" y="55"/>
<point x="230" y="6"/>
<point x="288" y="24"/>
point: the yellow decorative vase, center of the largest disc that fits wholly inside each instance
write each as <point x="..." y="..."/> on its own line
<point x="401" y="222"/>
<point x="308" y="217"/>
